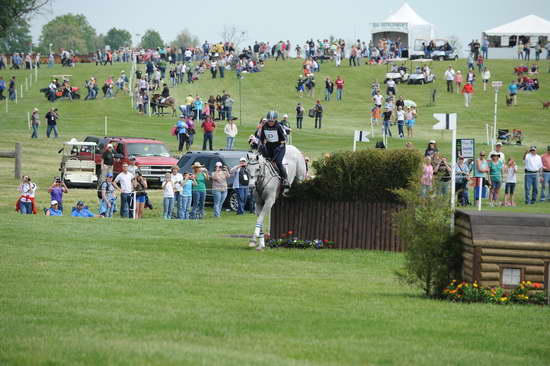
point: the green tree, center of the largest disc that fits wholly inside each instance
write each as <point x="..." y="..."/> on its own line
<point x="185" y="39"/>
<point x="118" y="38"/>
<point x="151" y="39"/>
<point x="13" y="11"/>
<point x="69" y="31"/>
<point x="434" y="256"/>
<point x="17" y="38"/>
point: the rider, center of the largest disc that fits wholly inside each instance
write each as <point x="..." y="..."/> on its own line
<point x="273" y="140"/>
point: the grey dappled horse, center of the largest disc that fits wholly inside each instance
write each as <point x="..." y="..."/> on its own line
<point x="266" y="183"/>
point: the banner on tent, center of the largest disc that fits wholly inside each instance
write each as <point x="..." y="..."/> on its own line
<point x="389" y="27"/>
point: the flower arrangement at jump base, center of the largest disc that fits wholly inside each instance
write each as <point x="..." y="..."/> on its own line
<point x="526" y="292"/>
<point x="290" y="240"/>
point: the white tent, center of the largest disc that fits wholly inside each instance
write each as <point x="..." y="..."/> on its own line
<point x="528" y="30"/>
<point x="406" y="24"/>
<point x="530" y="25"/>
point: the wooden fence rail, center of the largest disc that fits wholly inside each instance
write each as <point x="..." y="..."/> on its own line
<point x="17" y="154"/>
<point x="351" y="225"/>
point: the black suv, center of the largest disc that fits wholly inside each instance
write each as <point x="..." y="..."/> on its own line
<point x="209" y="159"/>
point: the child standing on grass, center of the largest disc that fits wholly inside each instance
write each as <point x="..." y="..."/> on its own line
<point x="426" y="180"/>
<point x="187" y="194"/>
<point x="375" y="115"/>
<point x="168" y="201"/>
<point x="511" y="169"/>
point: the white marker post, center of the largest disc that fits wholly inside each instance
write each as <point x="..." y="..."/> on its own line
<point x="135" y="206"/>
<point x="26" y="84"/>
<point x="21" y="88"/>
<point x="480" y="192"/>
<point x="360" y="136"/>
<point x="447" y="121"/>
<point x="7" y="105"/>
<point x="496" y="86"/>
<point x="29" y="120"/>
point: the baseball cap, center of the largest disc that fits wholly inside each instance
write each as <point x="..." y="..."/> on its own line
<point x="242" y="159"/>
<point x="110" y="145"/>
<point x="109" y="175"/>
<point x="498" y="144"/>
<point x="432" y="141"/>
<point x="219" y="163"/>
<point x="54" y="202"/>
<point x="80" y="203"/>
<point x="533" y="148"/>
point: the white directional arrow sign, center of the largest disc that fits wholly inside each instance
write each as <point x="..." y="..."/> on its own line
<point x="447" y="121"/>
<point x="360" y="136"/>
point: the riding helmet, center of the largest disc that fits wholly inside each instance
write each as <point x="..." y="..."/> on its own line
<point x="272" y="116"/>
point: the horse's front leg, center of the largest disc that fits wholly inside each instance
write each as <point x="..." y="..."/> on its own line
<point x="259" y="226"/>
<point x="263" y="212"/>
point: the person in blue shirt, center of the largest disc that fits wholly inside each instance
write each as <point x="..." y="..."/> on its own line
<point x="54" y="209"/>
<point x="2" y="88"/>
<point x="81" y="211"/>
<point x="187" y="194"/>
<point x="513" y="90"/>
<point x="181" y="132"/>
<point x="198" y="107"/>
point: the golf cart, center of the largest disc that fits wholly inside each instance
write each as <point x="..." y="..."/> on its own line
<point x="78" y="163"/>
<point x="418" y="49"/>
<point x="443" y="51"/>
<point x="423" y="72"/>
<point x="399" y="74"/>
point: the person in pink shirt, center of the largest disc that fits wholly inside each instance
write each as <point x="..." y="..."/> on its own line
<point x="426" y="180"/>
<point x="545" y="180"/>
<point x="339" y="87"/>
<point x="458" y="81"/>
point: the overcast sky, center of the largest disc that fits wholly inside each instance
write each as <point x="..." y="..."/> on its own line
<point x="295" y="20"/>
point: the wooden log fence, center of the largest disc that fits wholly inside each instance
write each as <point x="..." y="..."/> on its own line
<point x="351" y="225"/>
<point x="16" y="154"/>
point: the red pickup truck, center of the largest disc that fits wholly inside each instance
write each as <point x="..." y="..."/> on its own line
<point x="152" y="156"/>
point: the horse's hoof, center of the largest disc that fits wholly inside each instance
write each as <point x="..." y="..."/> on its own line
<point x="252" y="244"/>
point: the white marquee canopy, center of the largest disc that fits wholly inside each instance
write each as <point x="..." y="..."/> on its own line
<point x="406" y="24"/>
<point x="529" y="26"/>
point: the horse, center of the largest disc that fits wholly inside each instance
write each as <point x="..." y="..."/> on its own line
<point x="169" y="102"/>
<point x="267" y="185"/>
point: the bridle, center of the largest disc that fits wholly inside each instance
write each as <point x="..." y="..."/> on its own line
<point x="262" y="174"/>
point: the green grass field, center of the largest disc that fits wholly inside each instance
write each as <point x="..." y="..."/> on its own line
<point x="157" y="292"/>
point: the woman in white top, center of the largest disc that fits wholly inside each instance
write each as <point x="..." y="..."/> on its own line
<point x="231" y="131"/>
<point x="26" y="201"/>
<point x="511" y="170"/>
<point x="486" y="76"/>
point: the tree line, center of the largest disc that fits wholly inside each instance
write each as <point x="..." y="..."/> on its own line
<point x="70" y="31"/>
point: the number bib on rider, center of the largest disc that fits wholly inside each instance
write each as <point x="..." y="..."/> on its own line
<point x="271" y="135"/>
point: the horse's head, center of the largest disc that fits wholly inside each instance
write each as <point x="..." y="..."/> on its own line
<point x="253" y="168"/>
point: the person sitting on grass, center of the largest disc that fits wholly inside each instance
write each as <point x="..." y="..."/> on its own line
<point x="54" y="209"/>
<point x="82" y="211"/>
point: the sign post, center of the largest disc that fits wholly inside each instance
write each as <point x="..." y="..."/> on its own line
<point x="496" y="86"/>
<point x="360" y="136"/>
<point x="466" y="148"/>
<point x="447" y="121"/>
